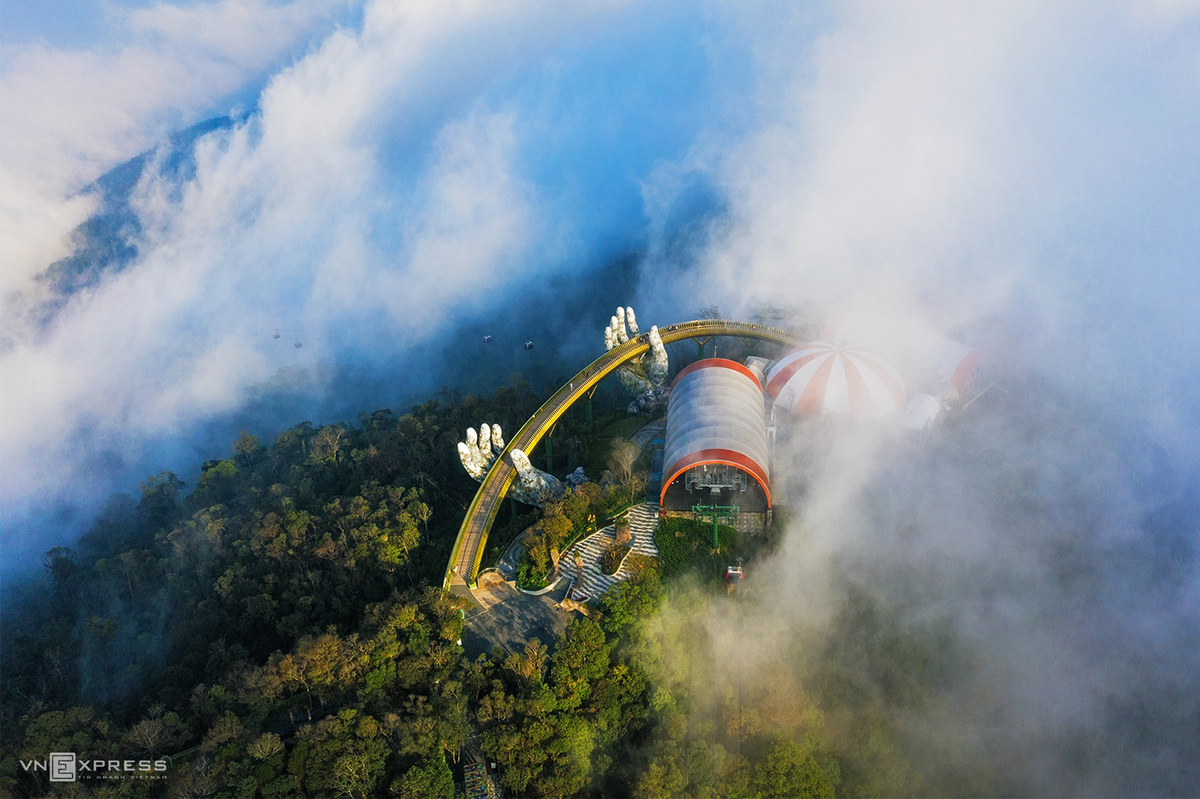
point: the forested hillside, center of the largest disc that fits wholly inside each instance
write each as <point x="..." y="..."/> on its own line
<point x="280" y="630"/>
<point x="293" y="579"/>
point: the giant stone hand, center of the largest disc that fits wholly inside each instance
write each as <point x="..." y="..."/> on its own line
<point x="644" y="378"/>
<point x="533" y="486"/>
<point x="479" y="452"/>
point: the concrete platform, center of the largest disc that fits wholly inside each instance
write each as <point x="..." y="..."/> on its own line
<point x="504" y="617"/>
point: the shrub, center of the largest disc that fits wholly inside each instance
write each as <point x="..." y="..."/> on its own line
<point x="612" y="501"/>
<point x="610" y="559"/>
<point x="529" y="576"/>
<point x="637" y="598"/>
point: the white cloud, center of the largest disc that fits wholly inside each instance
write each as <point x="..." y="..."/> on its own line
<point x="71" y="115"/>
<point x="1024" y="173"/>
<point x="881" y="155"/>
<point x="295" y="213"/>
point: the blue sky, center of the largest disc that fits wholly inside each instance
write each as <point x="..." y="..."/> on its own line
<point x="65" y="23"/>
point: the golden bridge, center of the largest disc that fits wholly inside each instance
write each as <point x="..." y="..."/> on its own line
<point x="468" y="547"/>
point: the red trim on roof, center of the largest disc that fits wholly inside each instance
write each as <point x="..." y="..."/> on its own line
<point x="812" y="398"/>
<point x="707" y="362"/>
<point x="780" y="378"/>
<point x="966" y="368"/>
<point x="728" y="457"/>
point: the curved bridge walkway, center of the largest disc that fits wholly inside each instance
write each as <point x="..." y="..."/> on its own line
<point x="468" y="548"/>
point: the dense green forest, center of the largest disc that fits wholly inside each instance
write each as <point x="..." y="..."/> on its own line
<point x="280" y="630"/>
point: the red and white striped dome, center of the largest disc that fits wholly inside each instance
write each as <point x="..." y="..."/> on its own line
<point x="820" y="377"/>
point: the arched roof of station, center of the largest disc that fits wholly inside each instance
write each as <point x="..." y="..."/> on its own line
<point x="715" y="416"/>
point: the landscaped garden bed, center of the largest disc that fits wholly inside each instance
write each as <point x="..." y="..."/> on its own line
<point x="612" y="557"/>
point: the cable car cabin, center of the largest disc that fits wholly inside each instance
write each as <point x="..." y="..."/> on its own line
<point x="733" y="579"/>
<point x="716" y="450"/>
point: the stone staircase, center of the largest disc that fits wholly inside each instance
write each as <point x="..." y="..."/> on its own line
<point x="642" y="521"/>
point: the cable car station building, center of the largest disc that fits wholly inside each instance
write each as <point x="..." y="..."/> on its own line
<point x="716" y="453"/>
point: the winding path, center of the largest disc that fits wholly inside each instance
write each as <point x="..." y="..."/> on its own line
<point x="468" y="547"/>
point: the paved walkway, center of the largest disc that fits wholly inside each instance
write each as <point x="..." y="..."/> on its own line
<point x="510" y="561"/>
<point x="491" y="590"/>
<point x="506" y="618"/>
<point x="643" y="519"/>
